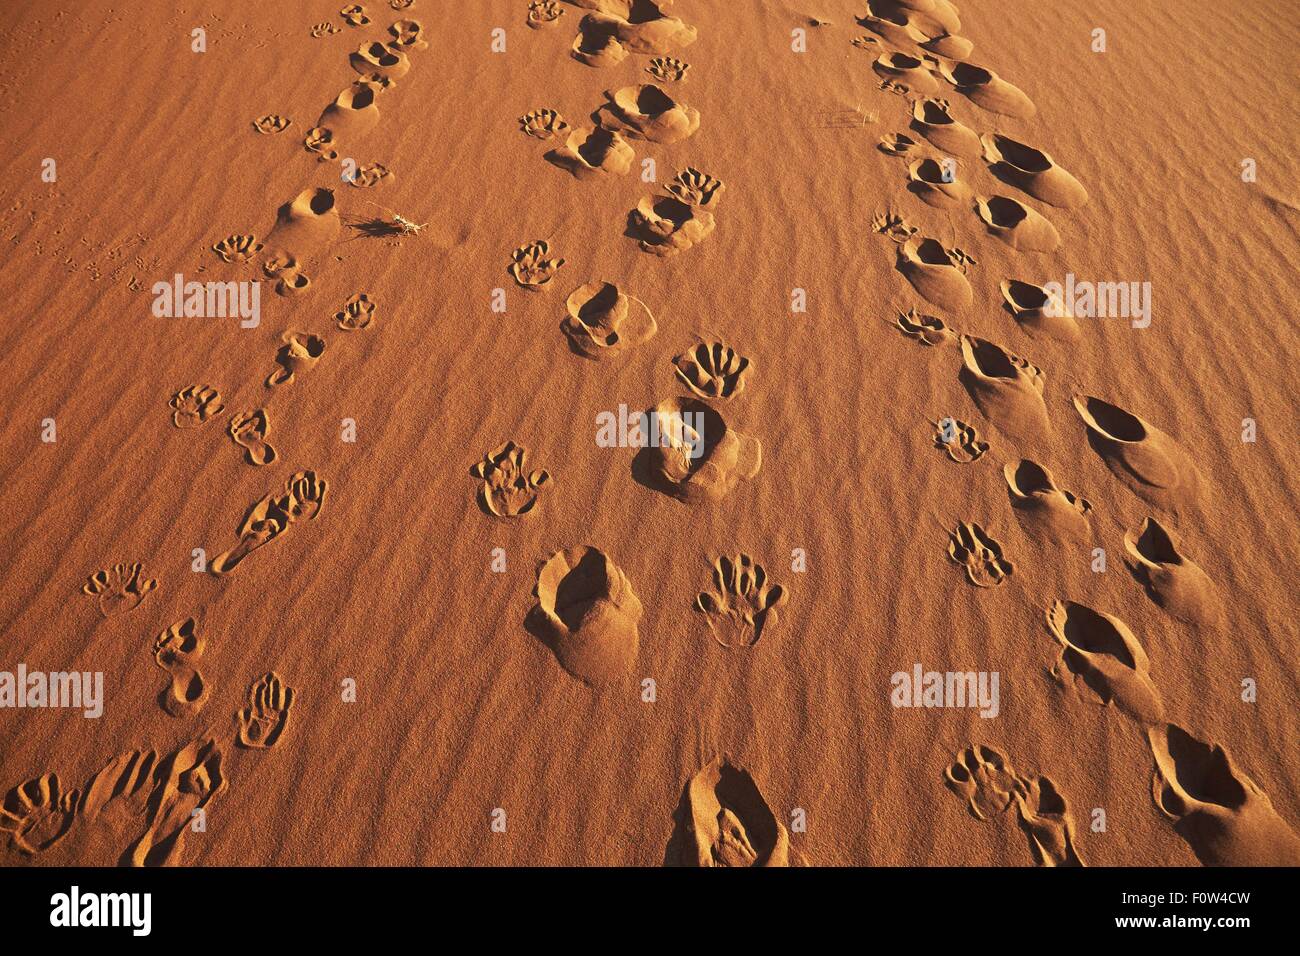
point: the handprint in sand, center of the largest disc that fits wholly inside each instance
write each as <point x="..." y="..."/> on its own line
<point x="509" y="487"/>
<point x="742" y="603"/>
<point x="264" y="720"/>
<point x="533" y="266"/>
<point x="195" y="404"/>
<point x="37" y="814"/>
<point x="119" y="588"/>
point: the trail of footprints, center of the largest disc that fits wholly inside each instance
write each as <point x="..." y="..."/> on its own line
<point x="918" y="53"/>
<point x="141" y="797"/>
<point x="585" y="609"/>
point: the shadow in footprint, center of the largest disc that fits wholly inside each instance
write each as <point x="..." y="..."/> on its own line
<point x="723" y="820"/>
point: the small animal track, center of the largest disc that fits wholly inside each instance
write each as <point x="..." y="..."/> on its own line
<point x="177" y="651"/>
<point x="195" y="404"/>
<point x="959" y="441"/>
<point x="325" y="29"/>
<point x="183" y="783"/>
<point x="509" y="488"/>
<point x="532" y="265"/>
<point x="712" y="370"/>
<point x="742" y="603"/>
<point x="723" y="820"/>
<point x="372" y="174"/>
<point x="668" y="69"/>
<point x="272" y="123"/>
<point x="262" y="723"/>
<point x="543" y="124"/>
<point x="357" y="313"/>
<point x="118" y="589"/>
<point x="237" y="248"/>
<point x="979" y="554"/>
<point x="134" y="792"/>
<point x="894" y="226"/>
<point x="300" y="353"/>
<point x="302" y="499"/>
<point x="248" y="431"/>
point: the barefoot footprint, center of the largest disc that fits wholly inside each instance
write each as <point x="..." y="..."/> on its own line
<point x="509" y="488"/>
<point x="264" y="720"/>
<point x="742" y="603"/>
<point x="118" y="588"/>
<point x="302" y="500"/>
<point x="248" y="430"/>
<point x="176" y="650"/>
<point x="195" y="404"/>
